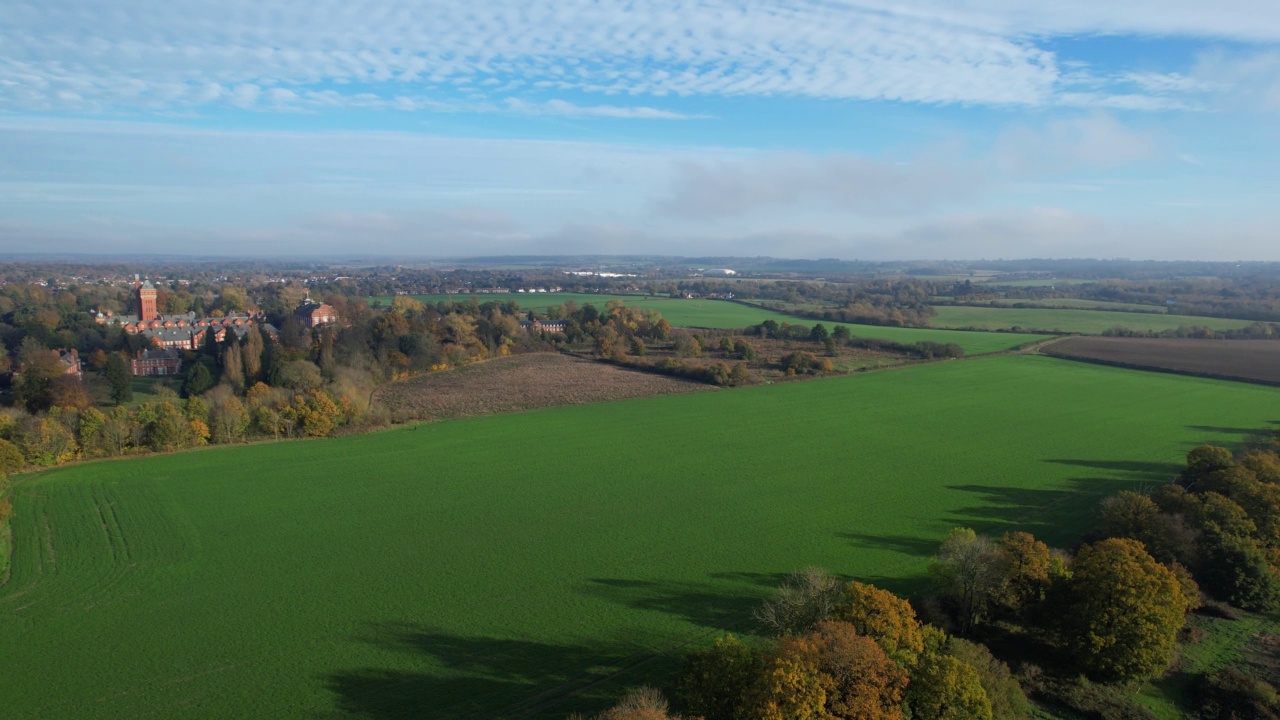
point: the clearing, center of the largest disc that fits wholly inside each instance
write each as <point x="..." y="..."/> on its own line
<point x="521" y="382"/>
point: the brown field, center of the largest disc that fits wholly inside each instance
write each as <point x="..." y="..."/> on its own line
<point x="1252" y="360"/>
<point x="520" y="382"/>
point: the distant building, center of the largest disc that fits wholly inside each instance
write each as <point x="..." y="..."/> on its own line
<point x="159" y="362"/>
<point x="181" y="332"/>
<point x="70" y="360"/>
<point x="551" y="326"/>
<point x="314" y="314"/>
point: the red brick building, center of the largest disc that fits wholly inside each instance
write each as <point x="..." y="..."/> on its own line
<point x="314" y="314"/>
<point x="164" y="361"/>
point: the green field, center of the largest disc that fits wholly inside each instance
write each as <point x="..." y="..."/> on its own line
<point x="1089" y="322"/>
<point x="701" y="313"/>
<point x="489" y="568"/>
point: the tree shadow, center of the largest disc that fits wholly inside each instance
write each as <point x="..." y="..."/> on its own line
<point x="490" y="678"/>
<point x="1059" y="517"/>
<point x="710" y="606"/>
<point x="907" y="545"/>
<point x="1243" y="432"/>
<point x="1154" y="471"/>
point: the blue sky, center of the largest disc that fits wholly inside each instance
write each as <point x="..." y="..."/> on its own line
<point x="861" y="129"/>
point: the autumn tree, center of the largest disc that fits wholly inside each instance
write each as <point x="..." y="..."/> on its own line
<point x="11" y="460"/>
<point x="944" y="687"/>
<point x="1124" y="611"/>
<point x="883" y="617"/>
<point x="859" y="680"/>
<point x="67" y="391"/>
<point x="1027" y="563"/>
<point x="789" y="687"/>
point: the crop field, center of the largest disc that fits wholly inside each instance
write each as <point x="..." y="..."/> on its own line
<point x="531" y="564"/>
<point x="1088" y="322"/>
<point x="702" y="313"/>
<point x="1255" y="360"/>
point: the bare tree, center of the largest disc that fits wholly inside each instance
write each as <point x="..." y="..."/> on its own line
<point x="804" y="599"/>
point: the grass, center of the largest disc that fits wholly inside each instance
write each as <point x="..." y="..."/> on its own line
<point x="488" y="568"/>
<point x="1222" y="645"/>
<point x="1089" y="322"/>
<point x="702" y="313"/>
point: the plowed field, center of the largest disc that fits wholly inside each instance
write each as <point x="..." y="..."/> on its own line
<point x="1253" y="360"/>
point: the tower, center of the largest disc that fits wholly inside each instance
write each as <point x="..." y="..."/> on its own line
<point x="146" y="300"/>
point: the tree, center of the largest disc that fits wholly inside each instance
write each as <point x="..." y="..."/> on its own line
<point x="1204" y="460"/>
<point x="45" y="441"/>
<point x="1124" y="611"/>
<point x="804" y="599"/>
<point x="860" y="681"/>
<point x="788" y="688"/>
<point x="883" y="617"/>
<point x="119" y="379"/>
<point x="968" y="568"/>
<point x="198" y="380"/>
<point x="714" y="682"/>
<point x="300" y="375"/>
<point x="233" y="364"/>
<point x="11" y="460"/>
<point x="38" y="367"/>
<point x="252" y="352"/>
<point x="1008" y="701"/>
<point x="642" y="703"/>
<point x="1236" y="569"/>
<point x="1027" y="563"/>
<point x="946" y="688"/>
<point x="66" y="391"/>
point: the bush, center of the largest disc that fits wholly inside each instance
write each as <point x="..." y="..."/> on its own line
<point x="1232" y="695"/>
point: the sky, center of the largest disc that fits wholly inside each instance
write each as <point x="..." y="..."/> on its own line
<point x="852" y="129"/>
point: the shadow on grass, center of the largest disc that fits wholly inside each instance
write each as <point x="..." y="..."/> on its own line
<point x="1147" y="471"/>
<point x="477" y="677"/>
<point x="905" y="544"/>
<point x="715" y="607"/>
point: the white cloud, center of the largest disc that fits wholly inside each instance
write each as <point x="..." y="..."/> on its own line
<point x="561" y="108"/>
